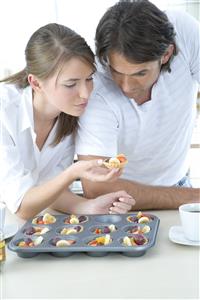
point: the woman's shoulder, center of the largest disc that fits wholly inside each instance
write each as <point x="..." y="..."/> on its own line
<point x="9" y="95"/>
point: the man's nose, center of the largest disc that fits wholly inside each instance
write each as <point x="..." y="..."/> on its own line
<point x="125" y="84"/>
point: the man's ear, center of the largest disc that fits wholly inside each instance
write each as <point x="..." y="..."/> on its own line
<point x="34" y="82"/>
<point x="167" y="54"/>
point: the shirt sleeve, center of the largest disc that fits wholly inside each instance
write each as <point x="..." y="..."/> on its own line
<point x="98" y="129"/>
<point x="15" y="180"/>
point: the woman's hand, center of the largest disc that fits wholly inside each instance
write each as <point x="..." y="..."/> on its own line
<point x="93" y="170"/>
<point x="113" y="203"/>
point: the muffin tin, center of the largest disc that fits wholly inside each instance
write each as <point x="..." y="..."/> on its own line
<point x="111" y="232"/>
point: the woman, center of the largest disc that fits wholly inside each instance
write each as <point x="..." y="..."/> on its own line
<point x="39" y="110"/>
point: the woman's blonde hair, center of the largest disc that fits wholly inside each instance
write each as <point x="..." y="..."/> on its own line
<point x="47" y="50"/>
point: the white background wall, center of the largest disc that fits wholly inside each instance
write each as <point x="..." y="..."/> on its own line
<point x="20" y="18"/>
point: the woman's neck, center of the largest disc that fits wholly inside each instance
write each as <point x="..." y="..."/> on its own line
<point x="44" y="112"/>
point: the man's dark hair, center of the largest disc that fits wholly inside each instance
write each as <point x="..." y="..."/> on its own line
<point x="137" y="29"/>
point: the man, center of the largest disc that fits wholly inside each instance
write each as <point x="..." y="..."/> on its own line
<point x="143" y="103"/>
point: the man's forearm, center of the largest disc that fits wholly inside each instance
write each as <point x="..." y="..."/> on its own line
<point x="146" y="196"/>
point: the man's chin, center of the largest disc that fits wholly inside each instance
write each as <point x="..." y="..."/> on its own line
<point x="129" y="95"/>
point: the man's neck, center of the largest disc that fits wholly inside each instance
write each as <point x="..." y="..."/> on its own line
<point x="142" y="97"/>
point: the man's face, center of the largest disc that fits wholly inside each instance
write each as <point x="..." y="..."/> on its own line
<point x="135" y="80"/>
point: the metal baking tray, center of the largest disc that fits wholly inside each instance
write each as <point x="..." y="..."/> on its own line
<point x="89" y="228"/>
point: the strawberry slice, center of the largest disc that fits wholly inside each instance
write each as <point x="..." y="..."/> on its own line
<point x="122" y="158"/>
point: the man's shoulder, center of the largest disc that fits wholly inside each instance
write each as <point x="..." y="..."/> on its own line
<point x="103" y="80"/>
<point x="187" y="31"/>
<point x="180" y="19"/>
<point x="176" y="14"/>
<point x="105" y="88"/>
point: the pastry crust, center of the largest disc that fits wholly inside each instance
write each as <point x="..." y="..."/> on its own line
<point x="115" y="162"/>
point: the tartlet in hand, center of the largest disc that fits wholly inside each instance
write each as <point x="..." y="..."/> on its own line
<point x="119" y="161"/>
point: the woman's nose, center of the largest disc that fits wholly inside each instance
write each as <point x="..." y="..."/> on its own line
<point x="85" y="91"/>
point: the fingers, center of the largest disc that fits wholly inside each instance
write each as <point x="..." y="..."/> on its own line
<point x="88" y="164"/>
<point x="128" y="200"/>
<point x="120" y="208"/>
<point x="123" y="205"/>
<point x="124" y="197"/>
<point x="113" y="174"/>
<point x="99" y="163"/>
<point x="109" y="176"/>
<point x="126" y="207"/>
<point x="95" y="163"/>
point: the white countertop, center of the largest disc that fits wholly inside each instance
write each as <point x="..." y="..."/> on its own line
<point x="167" y="270"/>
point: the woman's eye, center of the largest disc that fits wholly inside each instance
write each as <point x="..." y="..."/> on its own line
<point x="70" y="85"/>
<point x="90" y="79"/>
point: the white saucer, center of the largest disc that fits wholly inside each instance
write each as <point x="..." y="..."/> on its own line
<point x="176" y="235"/>
<point x="10" y="230"/>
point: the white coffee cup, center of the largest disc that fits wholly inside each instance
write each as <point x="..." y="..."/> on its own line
<point x="2" y="216"/>
<point x="190" y="219"/>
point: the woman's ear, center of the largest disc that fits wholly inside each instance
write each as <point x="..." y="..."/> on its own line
<point x="167" y="54"/>
<point x="34" y="82"/>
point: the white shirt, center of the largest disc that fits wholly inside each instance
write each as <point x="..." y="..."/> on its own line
<point x="154" y="136"/>
<point x="22" y="164"/>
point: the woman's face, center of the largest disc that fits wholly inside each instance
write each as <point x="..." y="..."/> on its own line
<point x="69" y="89"/>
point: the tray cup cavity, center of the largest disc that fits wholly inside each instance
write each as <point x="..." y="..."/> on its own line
<point x="137" y="229"/>
<point x="62" y="242"/>
<point x="75" y="220"/>
<point x="108" y="219"/>
<point x="103" y="229"/>
<point x="36" y="230"/>
<point x="69" y="229"/>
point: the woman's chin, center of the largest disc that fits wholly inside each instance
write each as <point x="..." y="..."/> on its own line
<point x="74" y="113"/>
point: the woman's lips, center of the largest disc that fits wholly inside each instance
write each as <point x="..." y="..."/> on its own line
<point x="82" y="105"/>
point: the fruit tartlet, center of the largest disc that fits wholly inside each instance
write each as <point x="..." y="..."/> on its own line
<point x="71" y="230"/>
<point x="141" y="218"/>
<point x="100" y="241"/>
<point x="139" y="230"/>
<point x="136" y="240"/>
<point x="104" y="229"/>
<point x="46" y="219"/>
<point x="115" y="162"/>
<point x="62" y="243"/>
<point x="73" y="219"/>
<point x="36" y="230"/>
<point x="30" y="242"/>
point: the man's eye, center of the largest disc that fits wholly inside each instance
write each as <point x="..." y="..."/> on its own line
<point x="141" y="74"/>
<point x="113" y="71"/>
